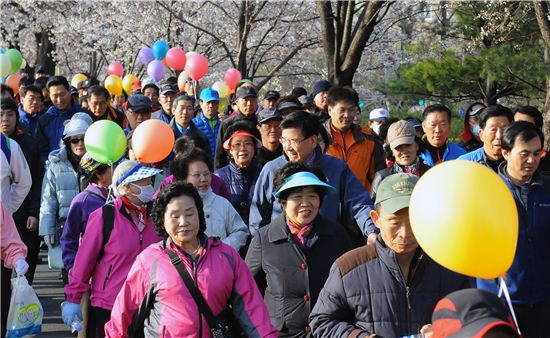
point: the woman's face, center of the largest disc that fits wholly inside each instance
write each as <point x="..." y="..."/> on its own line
<point x="181" y="221"/>
<point x="132" y="189"/>
<point x="199" y="176"/>
<point x="241" y="149"/>
<point x="405" y="154"/>
<point x="302" y="205"/>
<point x="77" y="145"/>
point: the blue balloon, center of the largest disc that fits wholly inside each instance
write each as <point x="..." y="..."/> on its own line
<point x="160" y="47"/>
<point x="2" y="51"/>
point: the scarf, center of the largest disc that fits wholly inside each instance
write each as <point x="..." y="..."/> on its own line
<point x="140" y="210"/>
<point x="299" y="232"/>
<point x="413" y="169"/>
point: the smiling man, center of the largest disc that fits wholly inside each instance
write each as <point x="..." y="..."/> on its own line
<point x="492" y="122"/>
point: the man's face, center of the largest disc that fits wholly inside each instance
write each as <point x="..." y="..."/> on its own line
<point x="491" y="136"/>
<point x="269" y="103"/>
<point x="247" y="105"/>
<point x="8" y="121"/>
<point x="32" y="103"/>
<point x="97" y="105"/>
<point x="136" y="117"/>
<point x="152" y="93"/>
<point x="523" y="159"/>
<point x="524" y="117"/>
<point x="184" y="112"/>
<point x="60" y="96"/>
<point x="270" y="131"/>
<point x="395" y="230"/>
<point x="166" y="101"/>
<point x="321" y="100"/>
<point x="342" y="114"/>
<point x="437" y="127"/>
<point x="296" y="146"/>
<point x="210" y="108"/>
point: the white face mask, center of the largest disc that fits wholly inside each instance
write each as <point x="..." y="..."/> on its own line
<point x="376" y="129"/>
<point x="204" y="194"/>
<point x="146" y="193"/>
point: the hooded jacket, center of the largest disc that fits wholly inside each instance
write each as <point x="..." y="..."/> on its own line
<point x="220" y="275"/>
<point x="108" y="273"/>
<point x="59" y="187"/>
<point x="367" y="293"/>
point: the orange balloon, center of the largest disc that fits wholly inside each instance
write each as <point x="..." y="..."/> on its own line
<point x="152" y="141"/>
<point x="13" y="82"/>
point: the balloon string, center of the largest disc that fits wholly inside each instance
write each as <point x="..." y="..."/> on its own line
<point x="504" y="289"/>
<point x="110" y="194"/>
<point x="195" y="89"/>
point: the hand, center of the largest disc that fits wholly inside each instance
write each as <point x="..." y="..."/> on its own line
<point x="32" y="223"/>
<point x="50" y="241"/>
<point x="21" y="267"/>
<point x="69" y="311"/>
<point x="371" y="238"/>
<point x="426" y="330"/>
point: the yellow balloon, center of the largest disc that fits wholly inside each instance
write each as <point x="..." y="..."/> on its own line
<point x="223" y="104"/>
<point x="77" y="79"/>
<point x="465" y="218"/>
<point x="114" y="85"/>
<point x="128" y="82"/>
<point x="222" y="88"/>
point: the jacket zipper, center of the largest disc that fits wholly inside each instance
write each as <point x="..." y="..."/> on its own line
<point x="107" y="278"/>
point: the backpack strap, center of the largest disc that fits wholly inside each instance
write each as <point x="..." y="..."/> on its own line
<point x="5" y="144"/>
<point x="108" y="224"/>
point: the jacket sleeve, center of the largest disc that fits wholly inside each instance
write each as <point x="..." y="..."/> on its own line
<point x="254" y="255"/>
<point x="220" y="156"/>
<point x="128" y="301"/>
<point x="42" y="140"/>
<point x="374" y="187"/>
<point x="71" y="233"/>
<point x="331" y="316"/>
<point x="86" y="258"/>
<point x="357" y="201"/>
<point x="37" y="174"/>
<point x="21" y="178"/>
<point x="237" y="231"/>
<point x="247" y="303"/>
<point x="262" y="203"/>
<point x="49" y="206"/>
<point x="11" y="246"/>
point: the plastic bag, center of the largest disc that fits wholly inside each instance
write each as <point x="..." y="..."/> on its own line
<point x="55" y="258"/>
<point x="26" y="313"/>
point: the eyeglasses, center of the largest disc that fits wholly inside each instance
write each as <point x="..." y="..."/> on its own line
<point x="197" y="176"/>
<point x="237" y="146"/>
<point x="76" y="140"/>
<point x="293" y="143"/>
<point x="142" y="112"/>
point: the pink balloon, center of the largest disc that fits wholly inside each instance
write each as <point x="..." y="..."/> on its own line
<point x="156" y="70"/>
<point x="115" y="68"/>
<point x="175" y="58"/>
<point x="196" y="66"/>
<point x="232" y="77"/>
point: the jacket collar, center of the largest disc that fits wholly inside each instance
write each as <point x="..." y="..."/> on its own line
<point x="278" y="229"/>
<point x="358" y="135"/>
<point x="537" y="178"/>
<point x="387" y="256"/>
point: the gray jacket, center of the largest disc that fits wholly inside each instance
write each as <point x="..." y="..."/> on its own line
<point x="59" y="187"/>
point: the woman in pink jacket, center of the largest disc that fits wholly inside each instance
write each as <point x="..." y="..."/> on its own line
<point x="216" y="269"/>
<point x="108" y="265"/>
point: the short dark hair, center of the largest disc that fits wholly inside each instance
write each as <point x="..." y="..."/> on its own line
<point x="494" y="111"/>
<point x="298" y="91"/>
<point x="41" y="82"/>
<point x="33" y="89"/>
<point x="58" y="80"/>
<point x="5" y="88"/>
<point x="308" y="124"/>
<point x="97" y="90"/>
<point x="169" y="192"/>
<point x="8" y="104"/>
<point x="524" y="130"/>
<point x="183" y="144"/>
<point x="183" y="97"/>
<point x="290" y="169"/>
<point x="339" y="94"/>
<point x="82" y="99"/>
<point x="436" y="108"/>
<point x="180" y="164"/>
<point x="531" y="111"/>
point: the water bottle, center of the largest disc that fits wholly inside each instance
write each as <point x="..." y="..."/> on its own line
<point x="76" y="326"/>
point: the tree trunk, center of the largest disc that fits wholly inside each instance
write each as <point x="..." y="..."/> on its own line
<point x="44" y="52"/>
<point x="542" y="14"/>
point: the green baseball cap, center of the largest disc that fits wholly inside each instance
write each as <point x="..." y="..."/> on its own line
<point x="394" y="192"/>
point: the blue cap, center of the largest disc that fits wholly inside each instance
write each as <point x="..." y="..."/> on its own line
<point x="209" y="94"/>
<point x="304" y="179"/>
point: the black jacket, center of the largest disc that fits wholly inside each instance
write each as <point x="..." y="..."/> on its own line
<point x="294" y="275"/>
<point x="200" y="140"/>
<point x="367" y="293"/>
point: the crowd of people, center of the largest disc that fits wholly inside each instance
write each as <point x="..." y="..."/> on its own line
<point x="280" y="217"/>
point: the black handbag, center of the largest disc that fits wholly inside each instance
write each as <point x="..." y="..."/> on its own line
<point x="223" y="326"/>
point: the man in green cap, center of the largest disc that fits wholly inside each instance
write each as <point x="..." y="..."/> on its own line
<point x="390" y="287"/>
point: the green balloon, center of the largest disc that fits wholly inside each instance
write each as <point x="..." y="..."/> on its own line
<point x="105" y="141"/>
<point x="15" y="58"/>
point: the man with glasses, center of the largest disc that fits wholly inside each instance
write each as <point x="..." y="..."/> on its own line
<point x="182" y="122"/>
<point x="299" y="138"/>
<point x="138" y="109"/>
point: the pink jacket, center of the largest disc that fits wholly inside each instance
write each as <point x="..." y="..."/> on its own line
<point x="108" y="275"/>
<point x="222" y="278"/>
<point x="11" y="246"/>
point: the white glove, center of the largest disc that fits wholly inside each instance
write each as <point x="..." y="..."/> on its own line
<point x="50" y="240"/>
<point x="21" y="267"/>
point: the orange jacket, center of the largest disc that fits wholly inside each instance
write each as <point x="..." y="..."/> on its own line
<point x="356" y="148"/>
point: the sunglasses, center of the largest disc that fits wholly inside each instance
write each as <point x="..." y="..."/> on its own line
<point x="76" y="140"/>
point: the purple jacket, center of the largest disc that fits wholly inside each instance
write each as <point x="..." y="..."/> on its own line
<point x="109" y="273"/>
<point x="218" y="186"/>
<point x="82" y="205"/>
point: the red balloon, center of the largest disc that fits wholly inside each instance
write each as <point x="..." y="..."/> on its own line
<point x="152" y="141"/>
<point x="115" y="68"/>
<point x="13" y="82"/>
<point x="232" y="77"/>
<point x="196" y="66"/>
<point x="175" y="58"/>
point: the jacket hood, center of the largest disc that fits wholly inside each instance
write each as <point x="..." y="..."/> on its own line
<point x="58" y="155"/>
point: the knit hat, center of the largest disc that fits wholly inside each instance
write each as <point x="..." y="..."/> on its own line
<point x="321" y="86"/>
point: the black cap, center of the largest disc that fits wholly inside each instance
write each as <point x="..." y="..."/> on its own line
<point x="137" y="102"/>
<point x="87" y="83"/>
<point x="269" y="114"/>
<point x="247" y="91"/>
<point x="167" y="87"/>
<point x="272" y="95"/>
<point x="289" y="104"/>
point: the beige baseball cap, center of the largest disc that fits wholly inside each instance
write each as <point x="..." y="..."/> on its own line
<point x="400" y="132"/>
